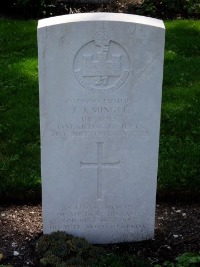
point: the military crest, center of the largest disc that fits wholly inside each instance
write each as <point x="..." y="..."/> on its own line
<point x="101" y="65"/>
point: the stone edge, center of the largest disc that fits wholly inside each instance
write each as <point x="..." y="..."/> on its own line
<point x="100" y="16"/>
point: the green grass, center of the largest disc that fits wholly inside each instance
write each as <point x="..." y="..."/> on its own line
<point x="19" y="122"/>
<point x="19" y="112"/>
<point x="179" y="159"/>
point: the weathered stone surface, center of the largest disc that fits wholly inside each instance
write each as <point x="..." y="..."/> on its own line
<point x="100" y="96"/>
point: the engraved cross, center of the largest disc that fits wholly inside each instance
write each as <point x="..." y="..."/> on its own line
<point x="99" y="165"/>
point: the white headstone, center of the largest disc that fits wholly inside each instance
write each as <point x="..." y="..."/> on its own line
<point x="100" y="79"/>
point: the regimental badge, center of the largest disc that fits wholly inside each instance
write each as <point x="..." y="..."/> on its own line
<point x="101" y="65"/>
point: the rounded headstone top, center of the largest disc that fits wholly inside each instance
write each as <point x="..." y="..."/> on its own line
<point x="100" y="16"/>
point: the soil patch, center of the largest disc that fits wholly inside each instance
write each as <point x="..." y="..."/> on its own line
<point x="177" y="231"/>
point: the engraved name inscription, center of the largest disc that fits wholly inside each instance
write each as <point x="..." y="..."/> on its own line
<point x="99" y="117"/>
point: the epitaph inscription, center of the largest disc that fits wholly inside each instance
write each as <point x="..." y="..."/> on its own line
<point x="100" y="164"/>
<point x="99" y="217"/>
<point x="101" y="65"/>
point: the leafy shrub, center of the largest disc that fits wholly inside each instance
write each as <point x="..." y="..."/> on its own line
<point x="172" y="8"/>
<point x="165" y="8"/>
<point x="146" y="8"/>
<point x="113" y="260"/>
<point x="154" y="8"/>
<point x="60" y="249"/>
<point x="187" y="259"/>
<point x="192" y="7"/>
<point x="29" y="8"/>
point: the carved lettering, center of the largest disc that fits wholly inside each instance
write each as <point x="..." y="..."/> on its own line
<point x="95" y="227"/>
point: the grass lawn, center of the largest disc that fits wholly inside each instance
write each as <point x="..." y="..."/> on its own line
<point x="179" y="158"/>
<point x="19" y="111"/>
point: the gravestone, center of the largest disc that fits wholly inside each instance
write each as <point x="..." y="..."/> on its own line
<point x="100" y="79"/>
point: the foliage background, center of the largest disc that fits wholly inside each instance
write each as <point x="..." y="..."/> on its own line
<point x="154" y="8"/>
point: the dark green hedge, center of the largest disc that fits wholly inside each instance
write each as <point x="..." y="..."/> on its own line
<point x="170" y="8"/>
<point x="29" y="8"/>
<point x="155" y="8"/>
